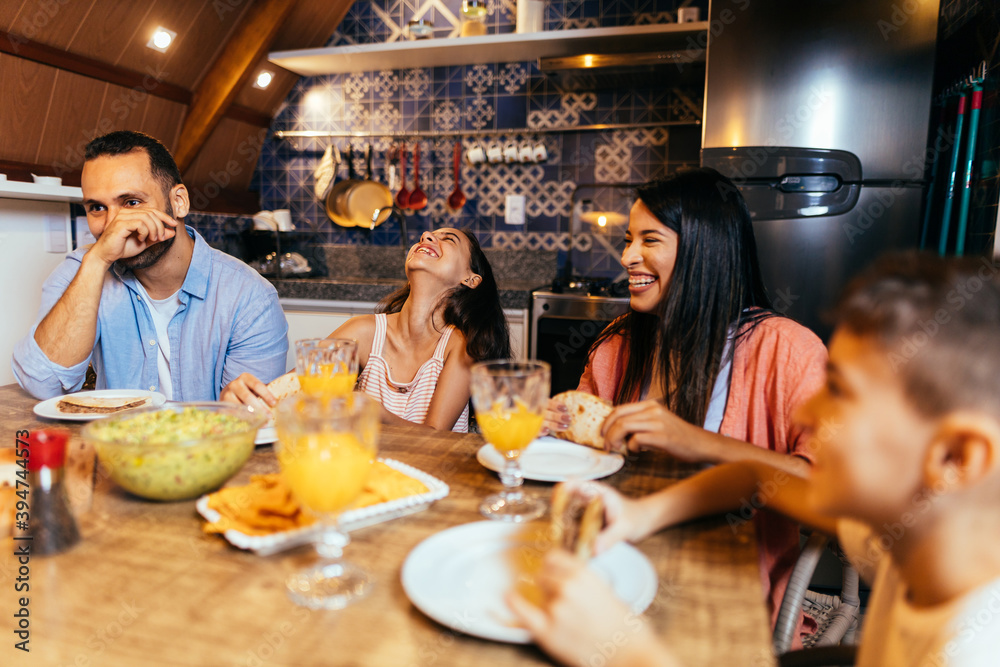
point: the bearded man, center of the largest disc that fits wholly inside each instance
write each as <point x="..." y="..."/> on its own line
<point x="151" y="305"/>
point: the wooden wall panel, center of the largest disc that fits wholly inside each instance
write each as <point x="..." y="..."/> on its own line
<point x="72" y="120"/>
<point x="9" y="11"/>
<point x="162" y="119"/>
<point x="128" y="109"/>
<point x="107" y="30"/>
<point x="228" y="158"/>
<point x="25" y="88"/>
<point x="54" y="23"/>
<point x="200" y="34"/>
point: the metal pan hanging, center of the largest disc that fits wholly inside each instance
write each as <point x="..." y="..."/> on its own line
<point x="352" y="203"/>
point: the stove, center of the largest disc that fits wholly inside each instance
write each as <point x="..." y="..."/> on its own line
<point x="567" y="317"/>
<point x="590" y="286"/>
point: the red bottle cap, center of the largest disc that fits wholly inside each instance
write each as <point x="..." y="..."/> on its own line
<point x="47" y="448"/>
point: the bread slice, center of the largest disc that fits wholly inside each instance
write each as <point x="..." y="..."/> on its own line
<point x="93" y="405"/>
<point x="576" y="519"/>
<point x="587" y="414"/>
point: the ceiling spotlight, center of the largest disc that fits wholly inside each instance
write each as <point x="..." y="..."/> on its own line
<point x="263" y="79"/>
<point x="161" y="39"/>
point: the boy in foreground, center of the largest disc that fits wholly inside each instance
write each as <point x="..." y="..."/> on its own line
<point x="906" y="440"/>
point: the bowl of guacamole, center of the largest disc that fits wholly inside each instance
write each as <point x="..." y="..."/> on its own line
<point x="176" y="451"/>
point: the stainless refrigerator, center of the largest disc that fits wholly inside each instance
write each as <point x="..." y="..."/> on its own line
<point x="819" y="111"/>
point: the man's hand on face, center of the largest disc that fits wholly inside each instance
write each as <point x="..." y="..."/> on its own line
<point x="131" y="231"/>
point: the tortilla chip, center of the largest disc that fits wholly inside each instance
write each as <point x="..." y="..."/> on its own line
<point x="266" y="505"/>
<point x="387" y="484"/>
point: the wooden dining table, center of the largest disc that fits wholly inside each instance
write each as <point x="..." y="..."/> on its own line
<point x="146" y="586"/>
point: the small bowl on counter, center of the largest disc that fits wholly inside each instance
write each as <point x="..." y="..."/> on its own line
<point x="176" y="451"/>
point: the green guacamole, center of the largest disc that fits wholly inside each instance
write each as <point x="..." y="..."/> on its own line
<point x="158" y="455"/>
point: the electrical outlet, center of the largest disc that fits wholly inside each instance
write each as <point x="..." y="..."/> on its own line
<point x="55" y="234"/>
<point x="83" y="235"/>
<point x="513" y="213"/>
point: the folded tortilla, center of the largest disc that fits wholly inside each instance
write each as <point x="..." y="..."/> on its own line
<point x="284" y="385"/>
<point x="587" y="414"/>
<point x="90" y="404"/>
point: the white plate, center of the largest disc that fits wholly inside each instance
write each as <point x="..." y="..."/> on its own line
<point x="350" y="520"/>
<point x="549" y="459"/>
<point x="266" y="436"/>
<point x="49" y="410"/>
<point x="459" y="576"/>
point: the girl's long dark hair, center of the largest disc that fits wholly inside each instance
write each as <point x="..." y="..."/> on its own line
<point x="477" y="313"/>
<point x="715" y="280"/>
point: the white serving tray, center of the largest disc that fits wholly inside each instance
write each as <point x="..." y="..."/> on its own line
<point x="264" y="545"/>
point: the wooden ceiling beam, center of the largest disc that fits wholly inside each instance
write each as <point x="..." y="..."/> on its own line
<point x="218" y="89"/>
<point x="148" y="82"/>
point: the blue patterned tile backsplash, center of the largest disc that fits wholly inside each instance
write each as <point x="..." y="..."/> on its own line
<point x="484" y="100"/>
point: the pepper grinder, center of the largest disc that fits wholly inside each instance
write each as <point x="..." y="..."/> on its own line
<point x="51" y="526"/>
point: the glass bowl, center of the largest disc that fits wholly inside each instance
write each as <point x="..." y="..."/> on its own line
<point x="176" y="451"/>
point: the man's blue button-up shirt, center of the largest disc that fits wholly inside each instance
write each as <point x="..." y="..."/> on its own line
<point x="229" y="322"/>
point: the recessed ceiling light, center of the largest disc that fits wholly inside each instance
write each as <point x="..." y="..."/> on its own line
<point x="263" y="79"/>
<point x="161" y="39"/>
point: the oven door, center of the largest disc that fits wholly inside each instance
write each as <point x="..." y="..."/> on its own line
<point x="563" y="326"/>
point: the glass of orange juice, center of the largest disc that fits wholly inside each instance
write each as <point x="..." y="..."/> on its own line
<point x="326" y="447"/>
<point x="510" y="399"/>
<point x="326" y="366"/>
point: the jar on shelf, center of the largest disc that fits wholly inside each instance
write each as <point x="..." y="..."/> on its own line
<point x="530" y="16"/>
<point x="473" y="18"/>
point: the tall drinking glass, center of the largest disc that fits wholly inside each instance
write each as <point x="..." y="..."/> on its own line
<point x="510" y="399"/>
<point x="326" y="366"/>
<point x="326" y="447"/>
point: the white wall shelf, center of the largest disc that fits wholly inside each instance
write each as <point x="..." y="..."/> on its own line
<point x="506" y="47"/>
<point x="25" y="190"/>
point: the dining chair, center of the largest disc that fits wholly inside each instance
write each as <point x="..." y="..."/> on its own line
<point x="820" y="656"/>
<point x="844" y="609"/>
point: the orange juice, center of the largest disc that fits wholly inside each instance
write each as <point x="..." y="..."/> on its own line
<point x="510" y="431"/>
<point x="326" y="471"/>
<point x="331" y="380"/>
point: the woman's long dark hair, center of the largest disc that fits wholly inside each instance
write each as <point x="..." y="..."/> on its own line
<point x="715" y="280"/>
<point x="477" y="313"/>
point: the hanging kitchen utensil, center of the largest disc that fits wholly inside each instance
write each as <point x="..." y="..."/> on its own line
<point x="403" y="196"/>
<point x="950" y="194"/>
<point x="456" y="200"/>
<point x="353" y="203"/>
<point x="970" y="154"/>
<point x="378" y="203"/>
<point x="335" y="214"/>
<point x="326" y="172"/>
<point x="392" y="160"/>
<point x="418" y="198"/>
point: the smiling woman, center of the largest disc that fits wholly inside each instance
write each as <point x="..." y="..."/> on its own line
<point x="717" y="371"/>
<point x="416" y="352"/>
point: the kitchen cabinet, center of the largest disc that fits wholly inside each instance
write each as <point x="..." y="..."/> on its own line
<point x="313" y="318"/>
<point x="34" y="240"/>
<point x="484" y="49"/>
<point x="517" y="320"/>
